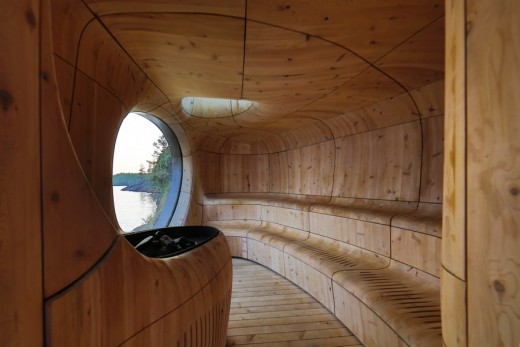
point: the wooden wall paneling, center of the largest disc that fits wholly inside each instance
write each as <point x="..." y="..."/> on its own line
<point x="401" y="172"/>
<point x="226" y="127"/>
<point x="237" y="246"/>
<point x="235" y="8"/>
<point x="206" y="142"/>
<point x="253" y="138"/>
<point x="101" y="58"/>
<point x="430" y="99"/>
<point x="66" y="255"/>
<point x="65" y="79"/>
<point x="310" y="169"/>
<point x="426" y="218"/>
<point x="346" y="124"/>
<point x="174" y="328"/>
<point x="70" y="247"/>
<point x="149" y="96"/>
<point x="266" y="255"/>
<point x="258" y="116"/>
<point x="372" y="236"/>
<point x="278" y="173"/>
<point x="294" y="167"/>
<point x="453" y="310"/>
<point x="113" y="306"/>
<point x="238" y="147"/>
<point x="214" y="47"/>
<point x="278" y="66"/>
<point x="420" y="59"/>
<point x="94" y="124"/>
<point x="69" y="18"/>
<point x="366" y="88"/>
<point x="369" y="328"/>
<point x="313" y="133"/>
<point x="293" y="218"/>
<point x="393" y="111"/>
<point x="311" y="280"/>
<point x="217" y="305"/>
<point x="245" y="173"/>
<point x="286" y="123"/>
<point x="419" y="250"/>
<point x="493" y="167"/>
<point x="432" y="159"/>
<point x="20" y="175"/>
<point x="382" y="164"/>
<point x="274" y="143"/>
<point x="207" y="171"/>
<point x="232" y="212"/>
<point x="317" y="169"/>
<point x="373" y="28"/>
<point x="351" y="163"/>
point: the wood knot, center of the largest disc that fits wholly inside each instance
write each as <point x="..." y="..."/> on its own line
<point x="514" y="191"/>
<point x="55" y="197"/>
<point x="499" y="287"/>
<point x="45" y="75"/>
<point x="6" y="99"/>
<point x="29" y="15"/>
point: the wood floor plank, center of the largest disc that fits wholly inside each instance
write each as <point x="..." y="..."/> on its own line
<point x="269" y="310"/>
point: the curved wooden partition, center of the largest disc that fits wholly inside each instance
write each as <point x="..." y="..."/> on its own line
<point x="337" y="175"/>
<point x="99" y="291"/>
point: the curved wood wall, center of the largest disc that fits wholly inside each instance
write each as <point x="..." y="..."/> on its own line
<point x="348" y="110"/>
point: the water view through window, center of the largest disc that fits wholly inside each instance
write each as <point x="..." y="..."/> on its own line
<point x="142" y="174"/>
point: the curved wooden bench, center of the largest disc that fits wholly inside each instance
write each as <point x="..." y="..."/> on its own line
<point x="374" y="265"/>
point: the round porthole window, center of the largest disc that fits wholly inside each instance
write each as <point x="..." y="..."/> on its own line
<point x="147" y="173"/>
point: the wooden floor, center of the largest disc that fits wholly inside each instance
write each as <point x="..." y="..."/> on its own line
<point x="269" y="310"/>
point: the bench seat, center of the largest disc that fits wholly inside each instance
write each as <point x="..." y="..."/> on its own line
<point x="354" y="257"/>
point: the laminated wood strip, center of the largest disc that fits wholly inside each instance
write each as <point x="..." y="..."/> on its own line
<point x="277" y="319"/>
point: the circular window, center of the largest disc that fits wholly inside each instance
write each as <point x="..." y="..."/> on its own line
<point x="147" y="173"/>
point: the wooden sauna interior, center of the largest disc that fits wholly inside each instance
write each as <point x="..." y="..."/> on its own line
<point x="368" y="151"/>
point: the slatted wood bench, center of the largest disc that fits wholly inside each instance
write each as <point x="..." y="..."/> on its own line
<point x="375" y="266"/>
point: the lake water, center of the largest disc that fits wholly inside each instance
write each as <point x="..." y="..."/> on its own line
<point x="132" y="208"/>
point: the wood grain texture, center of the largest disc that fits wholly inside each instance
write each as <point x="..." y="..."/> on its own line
<point x="67" y="255"/>
<point x="20" y="191"/>
<point x="454" y="256"/>
<point x="493" y="166"/>
<point x="454" y="191"/>
<point x="268" y="310"/>
<point x="382" y="164"/>
<point x="244" y="173"/>
<point x="214" y="47"/>
<point x="418" y="250"/>
<point x="112" y="307"/>
<point x="367" y="32"/>
<point x="453" y="310"/>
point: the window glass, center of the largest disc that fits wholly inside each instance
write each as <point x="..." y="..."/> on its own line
<point x="147" y="171"/>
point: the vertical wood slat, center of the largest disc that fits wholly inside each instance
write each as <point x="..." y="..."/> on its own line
<point x="20" y="205"/>
<point x="454" y="311"/>
<point x="493" y="172"/>
<point x="454" y="228"/>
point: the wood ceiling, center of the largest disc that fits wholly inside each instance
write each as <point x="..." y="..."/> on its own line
<point x="300" y="62"/>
